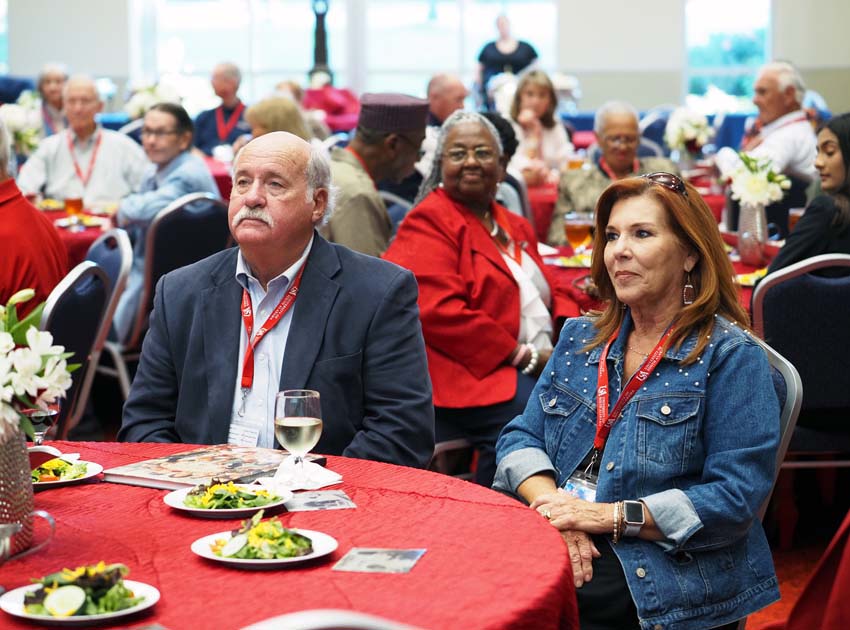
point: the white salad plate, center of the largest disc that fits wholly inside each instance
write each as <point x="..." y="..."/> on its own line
<point x="175" y="499"/>
<point x="13" y="603"/>
<point x="322" y="546"/>
<point x="92" y="470"/>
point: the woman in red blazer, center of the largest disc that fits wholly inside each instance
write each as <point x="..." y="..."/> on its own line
<point x="490" y="310"/>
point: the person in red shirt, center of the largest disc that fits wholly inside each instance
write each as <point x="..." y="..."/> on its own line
<point x="31" y="253"/>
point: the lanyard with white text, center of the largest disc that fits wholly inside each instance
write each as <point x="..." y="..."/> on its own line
<point x="277" y="314"/>
<point x="605" y="420"/>
<point x="84" y="178"/>
<point x="223" y="128"/>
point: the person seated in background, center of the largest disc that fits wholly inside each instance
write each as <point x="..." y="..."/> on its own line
<point x="174" y="172"/>
<point x="824" y="227"/>
<point x="781" y="133"/>
<point x="334" y="321"/>
<point x="508" y="193"/>
<point x="618" y="137"/>
<point x="544" y="146"/>
<point x="446" y="94"/>
<point x="51" y="82"/>
<point x="222" y="125"/>
<point x="276" y="113"/>
<point x="85" y="161"/>
<point x="32" y="255"/>
<point x="314" y="118"/>
<point x="490" y="310"/>
<point x="390" y="131"/>
<point x="650" y="440"/>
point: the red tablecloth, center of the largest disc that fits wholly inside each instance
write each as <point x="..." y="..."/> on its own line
<point x="490" y="561"/>
<point x="542" y="201"/>
<point x="76" y="243"/>
<point x="221" y="173"/>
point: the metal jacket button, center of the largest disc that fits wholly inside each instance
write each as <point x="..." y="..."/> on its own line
<point x="640" y="572"/>
<point x="666" y="410"/>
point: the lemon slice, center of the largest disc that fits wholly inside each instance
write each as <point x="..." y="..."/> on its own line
<point x="232" y="546"/>
<point x="65" y="600"/>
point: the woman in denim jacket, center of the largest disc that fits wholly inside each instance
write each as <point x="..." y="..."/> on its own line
<point x="656" y="493"/>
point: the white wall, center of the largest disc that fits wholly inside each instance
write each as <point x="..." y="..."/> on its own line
<point x="89" y="36"/>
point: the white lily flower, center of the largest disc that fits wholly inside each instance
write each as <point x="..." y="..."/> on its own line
<point x="7" y="344"/>
<point x="42" y="342"/>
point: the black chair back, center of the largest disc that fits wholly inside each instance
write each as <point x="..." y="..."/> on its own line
<point x="186" y="231"/>
<point x="73" y="314"/>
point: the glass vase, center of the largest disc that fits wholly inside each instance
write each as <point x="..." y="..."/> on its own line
<point x="16" y="499"/>
<point x="752" y="233"/>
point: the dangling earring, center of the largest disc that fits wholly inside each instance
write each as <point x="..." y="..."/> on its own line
<point x="689" y="293"/>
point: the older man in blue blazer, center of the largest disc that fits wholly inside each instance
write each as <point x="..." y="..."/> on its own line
<point x="285" y="310"/>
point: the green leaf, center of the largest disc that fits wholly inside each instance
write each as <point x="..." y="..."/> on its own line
<point x="19" y="329"/>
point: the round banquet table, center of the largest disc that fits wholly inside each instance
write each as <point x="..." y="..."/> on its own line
<point x="76" y="243"/>
<point x="490" y="561"/>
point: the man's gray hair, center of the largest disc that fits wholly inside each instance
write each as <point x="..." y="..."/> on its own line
<point x="612" y="108"/>
<point x="787" y="76"/>
<point x="231" y="70"/>
<point x="5" y="152"/>
<point x="319" y="176"/>
<point x="81" y="79"/>
<point x="435" y="178"/>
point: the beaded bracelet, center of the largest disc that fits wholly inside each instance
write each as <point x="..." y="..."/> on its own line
<point x="520" y="355"/>
<point x="615" y="538"/>
<point x="532" y="365"/>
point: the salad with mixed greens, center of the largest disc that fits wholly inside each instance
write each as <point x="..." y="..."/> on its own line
<point x="87" y="590"/>
<point x="226" y="495"/>
<point x="58" y="470"/>
<point x="265" y="540"/>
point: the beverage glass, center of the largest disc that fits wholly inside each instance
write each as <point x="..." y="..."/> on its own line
<point x="298" y="423"/>
<point x="794" y="215"/>
<point x="74" y="210"/>
<point x="577" y="227"/>
<point x="42" y="421"/>
<point x="575" y="162"/>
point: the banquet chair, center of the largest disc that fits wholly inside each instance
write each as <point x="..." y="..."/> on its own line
<point x="328" y="619"/>
<point x="397" y="206"/>
<point x="454" y="457"/>
<point x="653" y="123"/>
<point x="113" y="253"/>
<point x="335" y="140"/>
<point x="517" y="181"/>
<point x="186" y="231"/>
<point x="803" y="315"/>
<point x="74" y="314"/>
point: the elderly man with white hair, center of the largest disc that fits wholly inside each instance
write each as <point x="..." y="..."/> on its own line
<point x="781" y="133"/>
<point x="222" y="125"/>
<point x="326" y="318"/>
<point x="84" y="161"/>
<point x="618" y="137"/>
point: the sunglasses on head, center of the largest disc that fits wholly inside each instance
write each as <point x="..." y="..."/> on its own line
<point x="669" y="181"/>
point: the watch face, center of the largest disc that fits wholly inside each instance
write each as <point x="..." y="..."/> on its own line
<point x="633" y="512"/>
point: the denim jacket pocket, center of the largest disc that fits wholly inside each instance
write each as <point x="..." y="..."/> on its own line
<point x="564" y="411"/>
<point x="668" y="427"/>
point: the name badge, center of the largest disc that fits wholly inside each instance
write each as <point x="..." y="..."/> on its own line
<point x="246" y="432"/>
<point x="582" y="487"/>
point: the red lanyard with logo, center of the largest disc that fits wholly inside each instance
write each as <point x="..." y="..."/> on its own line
<point x="610" y="172"/>
<point x="605" y="420"/>
<point x="224" y="128"/>
<point x="84" y="178"/>
<point x="277" y="314"/>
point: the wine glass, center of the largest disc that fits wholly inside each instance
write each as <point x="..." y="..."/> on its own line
<point x="298" y="423"/>
<point x="577" y="228"/>
<point x="42" y="421"/>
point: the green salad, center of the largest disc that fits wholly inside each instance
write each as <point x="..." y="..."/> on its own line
<point x="86" y="590"/>
<point x="220" y="495"/>
<point x="265" y="540"/>
<point x="58" y="470"/>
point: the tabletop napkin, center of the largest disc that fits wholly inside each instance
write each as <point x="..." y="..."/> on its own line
<point x="315" y="477"/>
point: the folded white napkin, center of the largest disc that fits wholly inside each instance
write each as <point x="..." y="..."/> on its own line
<point x="285" y="478"/>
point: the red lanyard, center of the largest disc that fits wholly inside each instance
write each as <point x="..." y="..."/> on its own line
<point x="604" y="420"/>
<point x="610" y="172"/>
<point x="362" y="163"/>
<point x="753" y="138"/>
<point x="224" y="128"/>
<point x="277" y="314"/>
<point x="84" y="178"/>
<point x="500" y="218"/>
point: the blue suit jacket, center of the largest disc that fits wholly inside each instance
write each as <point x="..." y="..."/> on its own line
<point x="355" y="337"/>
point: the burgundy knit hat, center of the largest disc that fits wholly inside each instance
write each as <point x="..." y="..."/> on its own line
<point x="393" y="113"/>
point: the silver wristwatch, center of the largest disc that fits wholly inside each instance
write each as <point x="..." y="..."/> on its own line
<point x="633" y="517"/>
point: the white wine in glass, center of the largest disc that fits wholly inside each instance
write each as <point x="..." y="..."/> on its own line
<point x="298" y="422"/>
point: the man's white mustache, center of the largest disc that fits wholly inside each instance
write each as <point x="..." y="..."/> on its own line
<point x="253" y="213"/>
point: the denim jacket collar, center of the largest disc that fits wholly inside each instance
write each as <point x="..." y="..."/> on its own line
<point x="618" y="348"/>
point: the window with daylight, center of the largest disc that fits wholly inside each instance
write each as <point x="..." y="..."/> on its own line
<point x="727" y="41"/>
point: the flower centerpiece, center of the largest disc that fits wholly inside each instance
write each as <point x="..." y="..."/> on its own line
<point x="33" y="372"/>
<point x="23" y="121"/>
<point x="687" y="131"/>
<point x="755" y="185"/>
<point x="146" y="96"/>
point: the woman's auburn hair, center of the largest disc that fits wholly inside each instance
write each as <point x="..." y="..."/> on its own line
<point x="693" y="223"/>
<point x="536" y="77"/>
